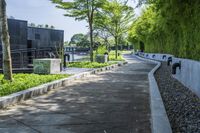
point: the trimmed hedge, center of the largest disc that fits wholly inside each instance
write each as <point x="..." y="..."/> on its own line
<point x="25" y="81"/>
<point x="88" y="64"/>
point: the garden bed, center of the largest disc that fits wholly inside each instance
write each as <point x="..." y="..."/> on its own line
<point x="112" y="56"/>
<point x="25" y="81"/>
<point x="89" y="64"/>
<point x="182" y="105"/>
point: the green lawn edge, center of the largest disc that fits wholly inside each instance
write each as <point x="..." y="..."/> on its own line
<point x="25" y="81"/>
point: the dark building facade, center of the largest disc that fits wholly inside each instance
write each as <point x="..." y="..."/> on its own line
<point x="46" y="41"/>
<point x="18" y="41"/>
<point x="28" y="43"/>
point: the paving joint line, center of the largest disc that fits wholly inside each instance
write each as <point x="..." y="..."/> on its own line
<point x="26" y="125"/>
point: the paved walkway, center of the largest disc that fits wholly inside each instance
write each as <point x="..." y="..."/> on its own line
<point x="75" y="70"/>
<point x="112" y="102"/>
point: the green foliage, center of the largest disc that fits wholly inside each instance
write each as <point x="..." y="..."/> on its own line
<point x="101" y="50"/>
<point x="119" y="58"/>
<point x="25" y="81"/>
<point x="88" y="64"/>
<point x="82" y="10"/>
<point x="112" y="56"/>
<point x="115" y="18"/>
<point x="169" y="27"/>
<point x="80" y="40"/>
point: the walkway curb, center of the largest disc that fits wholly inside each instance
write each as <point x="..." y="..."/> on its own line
<point x="159" y="119"/>
<point x="43" y="89"/>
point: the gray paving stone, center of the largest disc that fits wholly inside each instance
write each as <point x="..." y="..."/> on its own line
<point x="115" y="101"/>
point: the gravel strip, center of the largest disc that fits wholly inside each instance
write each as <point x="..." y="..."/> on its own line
<point x="182" y="105"/>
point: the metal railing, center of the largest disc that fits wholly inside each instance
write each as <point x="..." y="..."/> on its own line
<point x="22" y="58"/>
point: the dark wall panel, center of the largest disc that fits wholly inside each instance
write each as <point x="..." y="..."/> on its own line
<point x="43" y="38"/>
<point x="18" y="34"/>
<point x="23" y="38"/>
<point x="18" y="40"/>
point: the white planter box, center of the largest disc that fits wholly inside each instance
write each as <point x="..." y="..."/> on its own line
<point x="46" y="66"/>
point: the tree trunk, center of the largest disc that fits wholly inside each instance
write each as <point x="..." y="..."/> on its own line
<point x="91" y="42"/>
<point x="7" y="61"/>
<point x="116" y="47"/>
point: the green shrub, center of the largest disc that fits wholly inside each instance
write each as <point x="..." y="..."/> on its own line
<point x="88" y="64"/>
<point x="25" y="81"/>
<point x="172" y="27"/>
<point x="112" y="56"/>
<point x="101" y="50"/>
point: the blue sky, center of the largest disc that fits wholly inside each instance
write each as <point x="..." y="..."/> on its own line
<point x="44" y="12"/>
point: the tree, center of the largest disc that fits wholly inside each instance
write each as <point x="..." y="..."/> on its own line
<point x="115" y="18"/>
<point x="80" y="40"/>
<point x="82" y="10"/>
<point x="66" y="43"/>
<point x="46" y="26"/>
<point x="7" y="61"/>
<point x="40" y="26"/>
<point x="52" y="27"/>
<point x="32" y="24"/>
<point x="104" y="35"/>
<point x="169" y="27"/>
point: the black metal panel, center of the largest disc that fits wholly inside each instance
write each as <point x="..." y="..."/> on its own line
<point x="28" y="43"/>
<point x="43" y="38"/>
<point x="18" y="40"/>
<point x="18" y="34"/>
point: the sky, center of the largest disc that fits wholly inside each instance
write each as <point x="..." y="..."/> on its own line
<point x="44" y="12"/>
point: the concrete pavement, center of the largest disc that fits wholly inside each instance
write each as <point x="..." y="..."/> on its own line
<point x="116" y="101"/>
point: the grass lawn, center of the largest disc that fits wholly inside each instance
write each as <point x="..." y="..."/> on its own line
<point x="25" y="81"/>
<point x="88" y="64"/>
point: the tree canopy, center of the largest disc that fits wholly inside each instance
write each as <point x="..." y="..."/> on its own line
<point x="115" y="18"/>
<point x="80" y="40"/>
<point x="169" y="27"/>
<point x="82" y="10"/>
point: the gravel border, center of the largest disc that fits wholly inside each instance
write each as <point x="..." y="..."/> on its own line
<point x="182" y="105"/>
<point x="43" y="89"/>
<point x="159" y="119"/>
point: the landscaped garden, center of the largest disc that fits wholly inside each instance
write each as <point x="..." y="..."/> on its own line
<point x="89" y="64"/>
<point x="112" y="56"/>
<point x="24" y="81"/>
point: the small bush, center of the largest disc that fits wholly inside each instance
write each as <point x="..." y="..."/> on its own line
<point x="112" y="56"/>
<point x="25" y="81"/>
<point x="101" y="50"/>
<point x="88" y="64"/>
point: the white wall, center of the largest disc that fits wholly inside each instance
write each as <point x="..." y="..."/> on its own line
<point x="188" y="75"/>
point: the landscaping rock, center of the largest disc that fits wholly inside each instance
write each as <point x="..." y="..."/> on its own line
<point x="182" y="105"/>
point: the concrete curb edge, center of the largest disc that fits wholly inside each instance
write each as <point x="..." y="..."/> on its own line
<point x="159" y="119"/>
<point x="17" y="97"/>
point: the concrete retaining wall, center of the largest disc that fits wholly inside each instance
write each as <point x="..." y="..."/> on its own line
<point x="154" y="56"/>
<point x="42" y="89"/>
<point x="188" y="75"/>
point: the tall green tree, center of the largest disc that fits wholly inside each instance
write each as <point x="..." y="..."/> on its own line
<point x="82" y="10"/>
<point x="169" y="27"/>
<point x="105" y="36"/>
<point x="80" y="40"/>
<point x="116" y="18"/>
<point x="7" y="61"/>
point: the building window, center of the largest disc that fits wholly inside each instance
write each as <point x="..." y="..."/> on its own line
<point x="37" y="36"/>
